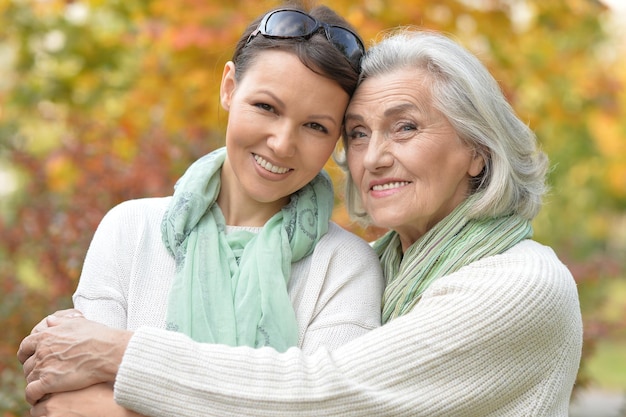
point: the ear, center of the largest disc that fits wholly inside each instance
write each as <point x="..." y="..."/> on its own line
<point x="476" y="164"/>
<point x="227" y="87"/>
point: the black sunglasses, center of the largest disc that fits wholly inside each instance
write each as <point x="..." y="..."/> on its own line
<point x="286" y="23"/>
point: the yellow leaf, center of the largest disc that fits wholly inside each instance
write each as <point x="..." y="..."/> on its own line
<point x="61" y="174"/>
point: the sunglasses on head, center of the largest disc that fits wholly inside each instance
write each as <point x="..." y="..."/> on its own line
<point x="285" y="23"/>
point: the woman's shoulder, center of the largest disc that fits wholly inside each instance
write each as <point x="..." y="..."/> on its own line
<point x="135" y="214"/>
<point x="528" y="269"/>
<point x="528" y="255"/>
<point x="532" y="248"/>
<point x="141" y="205"/>
<point x="526" y="286"/>
<point x="141" y="208"/>
<point x="536" y="261"/>
<point x="337" y="236"/>
<point x="344" y="249"/>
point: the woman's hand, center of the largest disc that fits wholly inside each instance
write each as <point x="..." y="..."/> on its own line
<point x="94" y="401"/>
<point x="69" y="354"/>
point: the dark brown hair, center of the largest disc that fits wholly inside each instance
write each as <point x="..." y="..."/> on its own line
<point x="316" y="53"/>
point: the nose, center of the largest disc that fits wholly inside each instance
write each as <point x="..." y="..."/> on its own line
<point x="283" y="140"/>
<point x="377" y="155"/>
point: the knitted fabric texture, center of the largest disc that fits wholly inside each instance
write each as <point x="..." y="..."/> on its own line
<point x="452" y="243"/>
<point x="501" y="337"/>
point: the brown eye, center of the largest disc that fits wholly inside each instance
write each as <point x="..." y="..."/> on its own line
<point x="265" y="106"/>
<point x="318" y="127"/>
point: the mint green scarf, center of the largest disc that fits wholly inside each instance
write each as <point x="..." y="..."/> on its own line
<point x="232" y="289"/>
<point x="452" y="243"/>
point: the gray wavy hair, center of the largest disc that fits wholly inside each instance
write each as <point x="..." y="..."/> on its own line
<point x="513" y="180"/>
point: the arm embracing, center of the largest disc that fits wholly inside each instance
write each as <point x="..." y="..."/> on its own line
<point x="70" y="354"/>
<point x="500" y="337"/>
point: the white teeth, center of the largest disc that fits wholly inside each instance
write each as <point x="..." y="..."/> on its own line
<point x="269" y="167"/>
<point x="390" y="185"/>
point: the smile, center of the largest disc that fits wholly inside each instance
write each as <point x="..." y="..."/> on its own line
<point x="390" y="185"/>
<point x="268" y="166"/>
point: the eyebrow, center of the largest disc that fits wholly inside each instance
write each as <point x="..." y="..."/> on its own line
<point x="313" y="116"/>
<point x="350" y="116"/>
<point x="392" y="111"/>
<point x="273" y="96"/>
<point x="400" y="108"/>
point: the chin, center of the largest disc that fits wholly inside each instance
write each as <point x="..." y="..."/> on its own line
<point x="384" y="222"/>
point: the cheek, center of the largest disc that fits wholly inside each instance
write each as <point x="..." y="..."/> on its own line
<point x="238" y="129"/>
<point x="316" y="154"/>
<point x="326" y="149"/>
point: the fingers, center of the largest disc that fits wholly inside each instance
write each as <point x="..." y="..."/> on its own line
<point x="27" y="348"/>
<point x="70" y="355"/>
<point x="40" y="408"/>
<point x="28" y="345"/>
<point x="53" y="319"/>
<point x="42" y="325"/>
<point x="35" y="352"/>
<point x="71" y="313"/>
<point x="35" y="392"/>
<point x="28" y="367"/>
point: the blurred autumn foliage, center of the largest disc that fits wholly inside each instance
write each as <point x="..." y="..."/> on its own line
<point x="107" y="100"/>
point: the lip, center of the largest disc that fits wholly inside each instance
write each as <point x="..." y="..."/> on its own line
<point x="386" y="186"/>
<point x="277" y="170"/>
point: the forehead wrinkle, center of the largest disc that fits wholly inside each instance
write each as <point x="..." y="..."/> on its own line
<point x="399" y="109"/>
<point x="419" y="100"/>
<point x="398" y="98"/>
<point x="417" y="94"/>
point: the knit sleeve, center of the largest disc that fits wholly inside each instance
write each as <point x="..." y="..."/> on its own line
<point x="501" y="337"/>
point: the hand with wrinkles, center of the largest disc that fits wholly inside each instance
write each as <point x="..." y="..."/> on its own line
<point x="66" y="352"/>
<point x="69" y="313"/>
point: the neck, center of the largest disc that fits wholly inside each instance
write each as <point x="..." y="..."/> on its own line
<point x="238" y="208"/>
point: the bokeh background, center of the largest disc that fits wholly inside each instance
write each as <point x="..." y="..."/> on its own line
<point x="107" y="100"/>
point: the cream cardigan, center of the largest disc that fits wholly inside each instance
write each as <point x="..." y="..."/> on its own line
<point x="500" y="337"/>
<point x="336" y="291"/>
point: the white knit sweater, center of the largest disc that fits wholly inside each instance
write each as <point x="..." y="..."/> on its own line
<point x="500" y="337"/>
<point x="336" y="291"/>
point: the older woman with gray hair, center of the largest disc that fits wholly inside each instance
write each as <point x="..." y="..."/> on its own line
<point x="479" y="319"/>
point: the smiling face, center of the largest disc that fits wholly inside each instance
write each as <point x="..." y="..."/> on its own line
<point x="283" y="123"/>
<point x="404" y="156"/>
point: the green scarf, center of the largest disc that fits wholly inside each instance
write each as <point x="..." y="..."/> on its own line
<point x="232" y="289"/>
<point x="452" y="243"/>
